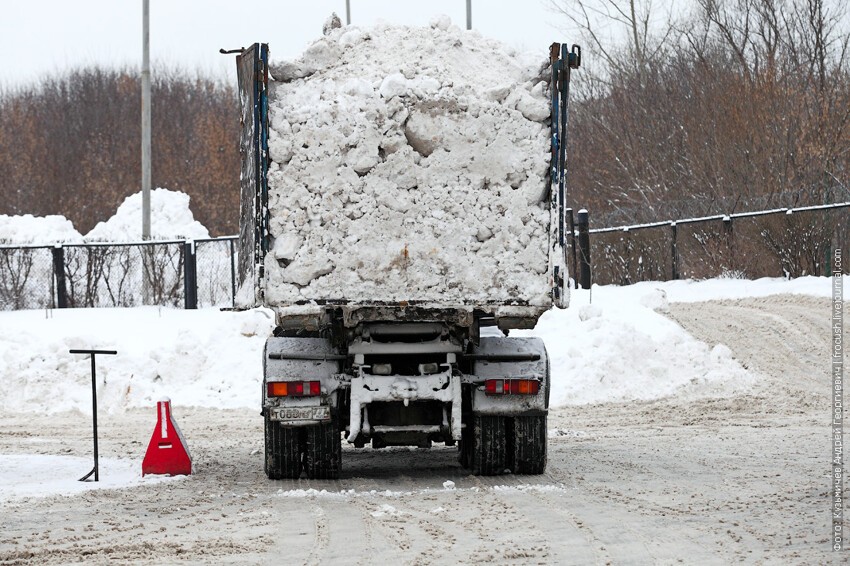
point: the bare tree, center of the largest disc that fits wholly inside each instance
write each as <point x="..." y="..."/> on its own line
<point x="627" y="34"/>
<point x="70" y="145"/>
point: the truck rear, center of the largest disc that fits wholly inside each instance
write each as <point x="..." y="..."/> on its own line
<point x="400" y="218"/>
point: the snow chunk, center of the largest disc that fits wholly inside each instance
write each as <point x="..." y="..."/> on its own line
<point x="351" y="36"/>
<point x="587" y="312"/>
<point x="287" y="246"/>
<point x="303" y="271"/>
<point x="441" y="22"/>
<point x="333" y="22"/>
<point x="498" y="93"/>
<point x="656" y="300"/>
<point x="394" y="85"/>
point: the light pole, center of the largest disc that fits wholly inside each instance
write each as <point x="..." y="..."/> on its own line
<point x="146" y="121"/>
<point x="348" y="12"/>
<point x="468" y="14"/>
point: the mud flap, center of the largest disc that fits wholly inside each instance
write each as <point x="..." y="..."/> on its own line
<point x="323" y="451"/>
<point x="282" y="450"/>
<point x="488" y="454"/>
<point x="527" y="444"/>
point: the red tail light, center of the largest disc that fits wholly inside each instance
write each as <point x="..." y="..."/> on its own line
<point x="293" y="388"/>
<point x="511" y="386"/>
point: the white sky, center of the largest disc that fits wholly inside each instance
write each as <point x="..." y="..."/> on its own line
<point x="41" y="37"/>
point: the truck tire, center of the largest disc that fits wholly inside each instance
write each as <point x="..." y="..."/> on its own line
<point x="283" y="451"/>
<point x="527" y="445"/>
<point x="489" y="445"/>
<point x="323" y="451"/>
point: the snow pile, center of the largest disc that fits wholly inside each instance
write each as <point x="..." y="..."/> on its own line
<point x="204" y="358"/>
<point x="29" y="229"/>
<point x="620" y="347"/>
<point x="409" y="164"/>
<point x="615" y="349"/>
<point x="171" y="219"/>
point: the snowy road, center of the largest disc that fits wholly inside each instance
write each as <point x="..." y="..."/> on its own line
<point x="700" y="481"/>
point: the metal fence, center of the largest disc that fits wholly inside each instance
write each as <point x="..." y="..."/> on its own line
<point x="789" y="242"/>
<point x="175" y="273"/>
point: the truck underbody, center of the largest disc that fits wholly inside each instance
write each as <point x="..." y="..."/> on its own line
<point x="403" y="383"/>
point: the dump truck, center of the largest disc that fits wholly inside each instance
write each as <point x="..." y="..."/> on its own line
<point x="388" y="365"/>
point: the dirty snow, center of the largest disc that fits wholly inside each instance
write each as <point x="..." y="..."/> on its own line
<point x="40" y="475"/>
<point x="409" y="164"/>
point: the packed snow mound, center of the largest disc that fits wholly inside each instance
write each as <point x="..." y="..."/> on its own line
<point x="613" y="349"/>
<point x="621" y="347"/>
<point x="409" y="163"/>
<point x="29" y="229"/>
<point x="204" y="357"/>
<point x="171" y="218"/>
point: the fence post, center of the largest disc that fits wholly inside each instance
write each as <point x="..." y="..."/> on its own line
<point x="674" y="252"/>
<point x="729" y="237"/>
<point x="59" y="273"/>
<point x="190" y="275"/>
<point x="584" y="248"/>
<point x="232" y="273"/>
<point x="573" y="245"/>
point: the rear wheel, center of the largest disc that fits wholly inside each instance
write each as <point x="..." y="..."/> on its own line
<point x="488" y="452"/>
<point x="283" y="451"/>
<point x="527" y="445"/>
<point x="323" y="451"/>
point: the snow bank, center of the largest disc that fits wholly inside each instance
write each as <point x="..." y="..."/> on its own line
<point x="620" y="347"/>
<point x="171" y="219"/>
<point x="688" y="291"/>
<point x="29" y="229"/>
<point x="205" y="358"/>
<point x="409" y="164"/>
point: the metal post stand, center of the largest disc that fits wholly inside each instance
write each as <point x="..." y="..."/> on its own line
<point x="584" y="248"/>
<point x="93" y="405"/>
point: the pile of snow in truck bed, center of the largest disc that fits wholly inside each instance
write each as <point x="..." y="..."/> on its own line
<point x="409" y="164"/>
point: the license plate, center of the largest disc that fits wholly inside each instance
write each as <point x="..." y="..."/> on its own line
<point x="301" y="413"/>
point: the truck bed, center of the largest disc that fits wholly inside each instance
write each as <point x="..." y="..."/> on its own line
<point x="340" y="218"/>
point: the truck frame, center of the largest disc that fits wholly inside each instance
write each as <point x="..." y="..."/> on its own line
<point x="402" y="374"/>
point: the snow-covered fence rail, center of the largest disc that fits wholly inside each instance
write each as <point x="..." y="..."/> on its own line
<point x="174" y="273"/>
<point x="781" y="241"/>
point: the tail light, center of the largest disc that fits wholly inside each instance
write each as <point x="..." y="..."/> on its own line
<point x="293" y="388"/>
<point x="511" y="386"/>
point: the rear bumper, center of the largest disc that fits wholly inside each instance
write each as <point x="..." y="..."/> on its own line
<point x="443" y="387"/>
